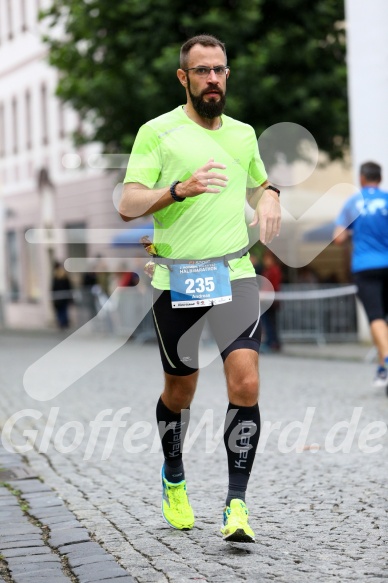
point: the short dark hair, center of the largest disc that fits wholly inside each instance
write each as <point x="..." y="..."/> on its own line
<point x="371" y="171"/>
<point x="206" y="40"/>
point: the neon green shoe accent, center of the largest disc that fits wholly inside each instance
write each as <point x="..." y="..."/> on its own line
<point x="236" y="528"/>
<point x="176" y="508"/>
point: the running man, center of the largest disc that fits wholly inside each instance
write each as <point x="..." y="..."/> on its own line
<point x="191" y="169"/>
<point x="365" y="217"/>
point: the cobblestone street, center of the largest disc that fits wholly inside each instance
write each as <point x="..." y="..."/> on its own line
<point x="319" y="514"/>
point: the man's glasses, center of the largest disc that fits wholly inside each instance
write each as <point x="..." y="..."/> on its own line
<point x="220" y="71"/>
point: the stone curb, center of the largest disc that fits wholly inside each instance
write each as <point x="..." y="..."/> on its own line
<point x="40" y="539"/>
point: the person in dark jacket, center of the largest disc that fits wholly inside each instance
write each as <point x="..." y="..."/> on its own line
<point x="269" y="319"/>
<point x="61" y="294"/>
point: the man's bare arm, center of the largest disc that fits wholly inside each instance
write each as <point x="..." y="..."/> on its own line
<point x="267" y="211"/>
<point x="138" y="200"/>
<point x="340" y="235"/>
<point x="254" y="194"/>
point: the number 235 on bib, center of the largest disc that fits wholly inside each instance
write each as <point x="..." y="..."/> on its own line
<point x="200" y="283"/>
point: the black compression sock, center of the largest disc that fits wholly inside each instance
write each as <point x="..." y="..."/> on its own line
<point x="174" y="473"/>
<point x="172" y="430"/>
<point x="241" y="438"/>
<point x="237" y="487"/>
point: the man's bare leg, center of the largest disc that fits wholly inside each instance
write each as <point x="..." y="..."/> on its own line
<point x="379" y="330"/>
<point x="242" y="430"/>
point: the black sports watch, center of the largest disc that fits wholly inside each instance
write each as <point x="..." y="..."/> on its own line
<point x="270" y="187"/>
<point x="174" y="194"/>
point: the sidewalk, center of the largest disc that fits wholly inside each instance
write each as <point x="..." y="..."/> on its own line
<point x="332" y="351"/>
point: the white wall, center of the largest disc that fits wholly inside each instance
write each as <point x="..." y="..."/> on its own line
<point x="24" y="68"/>
<point x="367" y="42"/>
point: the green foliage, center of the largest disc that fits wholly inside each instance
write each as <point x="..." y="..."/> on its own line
<point x="118" y="62"/>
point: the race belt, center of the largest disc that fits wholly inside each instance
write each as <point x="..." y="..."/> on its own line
<point x="224" y="258"/>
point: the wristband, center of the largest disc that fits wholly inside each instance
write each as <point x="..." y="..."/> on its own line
<point x="174" y="194"/>
<point x="270" y="187"/>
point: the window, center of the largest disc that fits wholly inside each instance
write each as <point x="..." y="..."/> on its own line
<point x="15" y="127"/>
<point x="79" y="249"/>
<point x="23" y="15"/>
<point x="13" y="266"/>
<point x="2" y="131"/>
<point x="80" y="125"/>
<point x="28" y="120"/>
<point x="10" y="19"/>
<point x="61" y="119"/>
<point x="38" y="8"/>
<point x="44" y="105"/>
<point x="32" y="280"/>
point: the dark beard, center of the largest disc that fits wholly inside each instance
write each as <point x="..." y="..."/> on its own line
<point x="207" y="109"/>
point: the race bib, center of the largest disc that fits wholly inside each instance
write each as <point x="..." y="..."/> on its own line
<point x="200" y="283"/>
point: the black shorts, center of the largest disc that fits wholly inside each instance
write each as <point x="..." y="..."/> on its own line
<point x="234" y="325"/>
<point x="372" y="287"/>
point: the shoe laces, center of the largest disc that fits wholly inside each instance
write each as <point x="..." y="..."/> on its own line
<point x="239" y="512"/>
<point x="381" y="372"/>
<point x="178" y="496"/>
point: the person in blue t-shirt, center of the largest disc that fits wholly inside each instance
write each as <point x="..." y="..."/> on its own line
<point x="365" y="217"/>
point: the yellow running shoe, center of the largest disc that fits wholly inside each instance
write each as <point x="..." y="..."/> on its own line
<point x="176" y="508"/>
<point x="236" y="528"/>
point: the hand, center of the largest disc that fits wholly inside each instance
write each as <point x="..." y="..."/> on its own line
<point x="268" y="216"/>
<point x="203" y="181"/>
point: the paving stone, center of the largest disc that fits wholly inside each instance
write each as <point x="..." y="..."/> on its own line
<point x="27" y="552"/>
<point x="85" y="549"/>
<point x="50" y="575"/>
<point x="52" y="512"/>
<point x="17" y="561"/>
<point x="59" y="578"/>
<point x="19" y="544"/>
<point x="13" y="510"/>
<point x="11" y="501"/>
<point x="54" y="565"/>
<point x="37" y="495"/>
<point x="69" y="536"/>
<point x="8" y="459"/>
<point x="12" y="517"/>
<point x="11" y="539"/>
<point x="92" y="573"/>
<point x="18" y="529"/>
<point x="92" y="559"/>
<point x="45" y="502"/>
<point x="62" y="525"/>
<point x="124" y="579"/>
<point x="30" y="486"/>
<point x="58" y="521"/>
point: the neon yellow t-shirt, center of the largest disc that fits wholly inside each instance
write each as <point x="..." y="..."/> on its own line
<point x="172" y="147"/>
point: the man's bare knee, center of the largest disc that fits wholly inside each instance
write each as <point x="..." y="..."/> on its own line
<point x="179" y="391"/>
<point x="244" y="391"/>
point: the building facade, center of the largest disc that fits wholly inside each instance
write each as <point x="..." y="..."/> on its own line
<point x="45" y="183"/>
